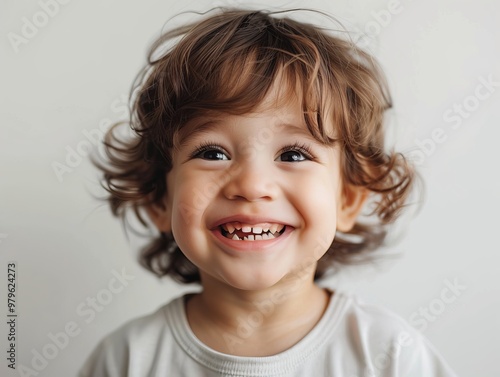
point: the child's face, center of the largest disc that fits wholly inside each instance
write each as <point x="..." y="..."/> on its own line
<point x="262" y="170"/>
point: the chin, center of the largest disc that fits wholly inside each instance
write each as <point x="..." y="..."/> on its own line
<point x="251" y="281"/>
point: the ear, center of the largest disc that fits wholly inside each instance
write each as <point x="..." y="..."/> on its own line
<point x="160" y="215"/>
<point x="350" y="205"/>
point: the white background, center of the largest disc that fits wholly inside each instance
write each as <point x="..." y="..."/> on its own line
<point x="68" y="77"/>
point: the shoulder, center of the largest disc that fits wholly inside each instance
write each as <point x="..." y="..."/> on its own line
<point x="371" y="327"/>
<point x="145" y="328"/>
<point x="386" y="344"/>
<point x="374" y="320"/>
<point x="117" y="352"/>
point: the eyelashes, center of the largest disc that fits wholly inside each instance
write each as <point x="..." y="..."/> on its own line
<point x="210" y="150"/>
<point x="302" y="148"/>
<point x="207" y="146"/>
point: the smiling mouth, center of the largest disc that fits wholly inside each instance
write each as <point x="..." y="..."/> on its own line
<point x="245" y="232"/>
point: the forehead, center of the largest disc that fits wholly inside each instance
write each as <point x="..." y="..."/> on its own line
<point x="267" y="129"/>
<point x="274" y="113"/>
<point x="282" y="109"/>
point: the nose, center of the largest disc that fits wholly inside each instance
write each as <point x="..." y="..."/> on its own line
<point x="252" y="181"/>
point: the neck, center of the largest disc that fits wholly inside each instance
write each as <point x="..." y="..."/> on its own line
<point x="255" y="323"/>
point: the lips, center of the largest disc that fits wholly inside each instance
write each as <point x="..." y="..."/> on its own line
<point x="238" y="231"/>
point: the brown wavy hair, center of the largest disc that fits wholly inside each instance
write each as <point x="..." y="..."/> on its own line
<point x="226" y="63"/>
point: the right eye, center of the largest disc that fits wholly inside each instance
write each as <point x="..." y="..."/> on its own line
<point x="210" y="152"/>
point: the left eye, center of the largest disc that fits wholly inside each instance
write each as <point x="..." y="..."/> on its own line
<point x="211" y="154"/>
<point x="291" y="156"/>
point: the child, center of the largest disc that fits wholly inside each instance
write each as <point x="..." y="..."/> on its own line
<point x="258" y="142"/>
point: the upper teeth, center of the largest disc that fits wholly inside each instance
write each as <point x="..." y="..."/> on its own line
<point x="248" y="232"/>
<point x="252" y="229"/>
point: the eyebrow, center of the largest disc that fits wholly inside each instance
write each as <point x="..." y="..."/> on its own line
<point x="292" y="128"/>
<point x="196" y="129"/>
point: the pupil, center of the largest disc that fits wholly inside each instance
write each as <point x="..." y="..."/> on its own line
<point x="291" y="156"/>
<point x="213" y="155"/>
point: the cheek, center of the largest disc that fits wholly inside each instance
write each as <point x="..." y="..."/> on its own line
<point x="191" y="196"/>
<point x="185" y="229"/>
<point x="318" y="207"/>
<point x="319" y="195"/>
<point x="189" y="199"/>
<point x="323" y="217"/>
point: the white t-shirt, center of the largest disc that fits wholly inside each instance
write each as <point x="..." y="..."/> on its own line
<point x="352" y="339"/>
